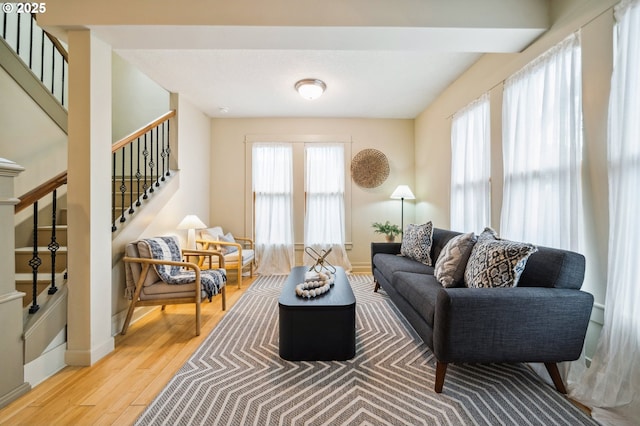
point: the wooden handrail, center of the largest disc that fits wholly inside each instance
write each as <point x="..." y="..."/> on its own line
<point x="37" y="193"/>
<point x="54" y="40"/>
<point x="133" y="136"/>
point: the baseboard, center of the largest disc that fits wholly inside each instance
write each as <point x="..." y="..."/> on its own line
<point x="14" y="394"/>
<point x="361" y="267"/>
<point x="46" y="365"/>
<point x="89" y="357"/>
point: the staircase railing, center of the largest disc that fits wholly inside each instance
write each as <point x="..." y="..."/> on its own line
<point x="31" y="198"/>
<point x="140" y="164"/>
<point x="43" y="53"/>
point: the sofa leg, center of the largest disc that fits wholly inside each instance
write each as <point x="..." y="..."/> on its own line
<point x="375" y="289"/>
<point x="441" y="370"/>
<point x="552" y="369"/>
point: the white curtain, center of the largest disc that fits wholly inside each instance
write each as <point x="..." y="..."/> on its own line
<point x="471" y="167"/>
<point x="272" y="175"/>
<point x="611" y="385"/>
<point x="542" y="150"/>
<point x="324" y="226"/>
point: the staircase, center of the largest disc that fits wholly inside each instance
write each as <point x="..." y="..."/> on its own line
<point x="24" y="273"/>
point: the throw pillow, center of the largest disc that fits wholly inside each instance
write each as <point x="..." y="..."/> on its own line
<point x="417" y="241"/>
<point x="452" y="262"/>
<point x="225" y="249"/>
<point x="495" y="262"/>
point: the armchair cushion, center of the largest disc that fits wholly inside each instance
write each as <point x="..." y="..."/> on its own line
<point x="167" y="248"/>
<point x="247" y="255"/>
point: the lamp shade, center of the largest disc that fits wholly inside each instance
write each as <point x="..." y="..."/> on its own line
<point x="403" y="192"/>
<point x="191" y="222"/>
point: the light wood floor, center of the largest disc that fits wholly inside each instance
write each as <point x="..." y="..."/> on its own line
<point x="117" y="389"/>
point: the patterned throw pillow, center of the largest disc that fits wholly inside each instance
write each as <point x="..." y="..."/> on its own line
<point x="495" y="262"/>
<point x="452" y="262"/>
<point x="417" y="241"/>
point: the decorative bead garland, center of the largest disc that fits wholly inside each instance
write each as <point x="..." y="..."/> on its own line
<point x="315" y="287"/>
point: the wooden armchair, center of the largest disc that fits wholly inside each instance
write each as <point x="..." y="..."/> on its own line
<point x="156" y="275"/>
<point x="238" y="252"/>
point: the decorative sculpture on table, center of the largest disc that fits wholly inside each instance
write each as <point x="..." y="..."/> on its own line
<point x="321" y="261"/>
<point x="320" y="276"/>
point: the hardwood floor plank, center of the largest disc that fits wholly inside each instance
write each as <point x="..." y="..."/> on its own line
<point x="117" y="389"/>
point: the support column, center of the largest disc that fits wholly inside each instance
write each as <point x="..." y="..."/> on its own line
<point x="12" y="383"/>
<point x="89" y="200"/>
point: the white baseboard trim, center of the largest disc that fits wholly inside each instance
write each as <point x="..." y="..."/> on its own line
<point x="89" y="357"/>
<point x="46" y="365"/>
<point x="117" y="321"/>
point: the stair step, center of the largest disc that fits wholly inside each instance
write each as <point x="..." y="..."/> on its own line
<point x="44" y="234"/>
<point x="24" y="284"/>
<point x="24" y="255"/>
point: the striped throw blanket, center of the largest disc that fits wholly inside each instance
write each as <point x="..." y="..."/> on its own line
<point x="167" y="248"/>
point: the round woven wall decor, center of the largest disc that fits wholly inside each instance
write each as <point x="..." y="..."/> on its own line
<point x="369" y="168"/>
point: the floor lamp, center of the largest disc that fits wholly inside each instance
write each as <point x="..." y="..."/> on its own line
<point x="402" y="192"/>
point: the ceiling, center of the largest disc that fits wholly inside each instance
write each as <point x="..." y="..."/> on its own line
<point x="370" y="71"/>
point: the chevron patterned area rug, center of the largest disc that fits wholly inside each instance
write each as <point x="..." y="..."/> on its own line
<point x="237" y="378"/>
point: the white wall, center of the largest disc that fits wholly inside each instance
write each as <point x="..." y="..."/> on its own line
<point x="29" y="137"/>
<point x="393" y="137"/>
<point x="182" y="194"/>
<point x="433" y="152"/>
<point x="136" y="99"/>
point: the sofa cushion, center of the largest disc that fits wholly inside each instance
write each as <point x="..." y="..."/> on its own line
<point x="420" y="291"/>
<point x="388" y="264"/>
<point x="417" y="241"/>
<point x="495" y="262"/>
<point x="452" y="262"/>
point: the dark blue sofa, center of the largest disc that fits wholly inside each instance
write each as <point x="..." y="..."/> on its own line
<point x="544" y="319"/>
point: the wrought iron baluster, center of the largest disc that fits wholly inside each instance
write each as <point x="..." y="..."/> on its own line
<point x="31" y="43"/>
<point x="138" y="175"/>
<point x="145" y="154"/>
<point x="113" y="194"/>
<point x="157" y="158"/>
<point x="35" y="262"/>
<point x="130" y="178"/>
<point x="123" y="188"/>
<point x="63" y="67"/>
<point x="168" y="148"/>
<point x="4" y="25"/>
<point x="53" y="69"/>
<point x="18" y="36"/>
<point x="151" y="163"/>
<point x="53" y="245"/>
<point x="164" y="154"/>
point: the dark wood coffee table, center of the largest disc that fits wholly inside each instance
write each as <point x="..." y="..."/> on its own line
<point x="320" y="328"/>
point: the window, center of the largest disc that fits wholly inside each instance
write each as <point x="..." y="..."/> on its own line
<point x="300" y="198"/>
<point x="542" y="149"/>
<point x="325" y="207"/>
<point x="272" y="173"/>
<point x="471" y="167"/>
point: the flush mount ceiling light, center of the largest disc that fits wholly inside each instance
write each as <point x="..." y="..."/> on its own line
<point x="310" y="88"/>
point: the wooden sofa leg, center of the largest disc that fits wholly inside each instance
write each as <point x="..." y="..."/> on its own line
<point x="441" y="370"/>
<point x="375" y="289"/>
<point x="552" y="369"/>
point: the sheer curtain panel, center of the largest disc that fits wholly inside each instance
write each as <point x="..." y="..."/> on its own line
<point x="272" y="177"/>
<point x="324" y="225"/>
<point x="471" y="167"/>
<point x="542" y="150"/>
<point x="611" y="385"/>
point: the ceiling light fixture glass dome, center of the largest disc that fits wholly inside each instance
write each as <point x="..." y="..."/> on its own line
<point x="310" y="88"/>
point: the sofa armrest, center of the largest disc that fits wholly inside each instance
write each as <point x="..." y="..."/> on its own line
<point x="387" y="248"/>
<point x="521" y="324"/>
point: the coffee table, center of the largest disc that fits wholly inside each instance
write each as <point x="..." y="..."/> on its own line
<point x="321" y="328"/>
